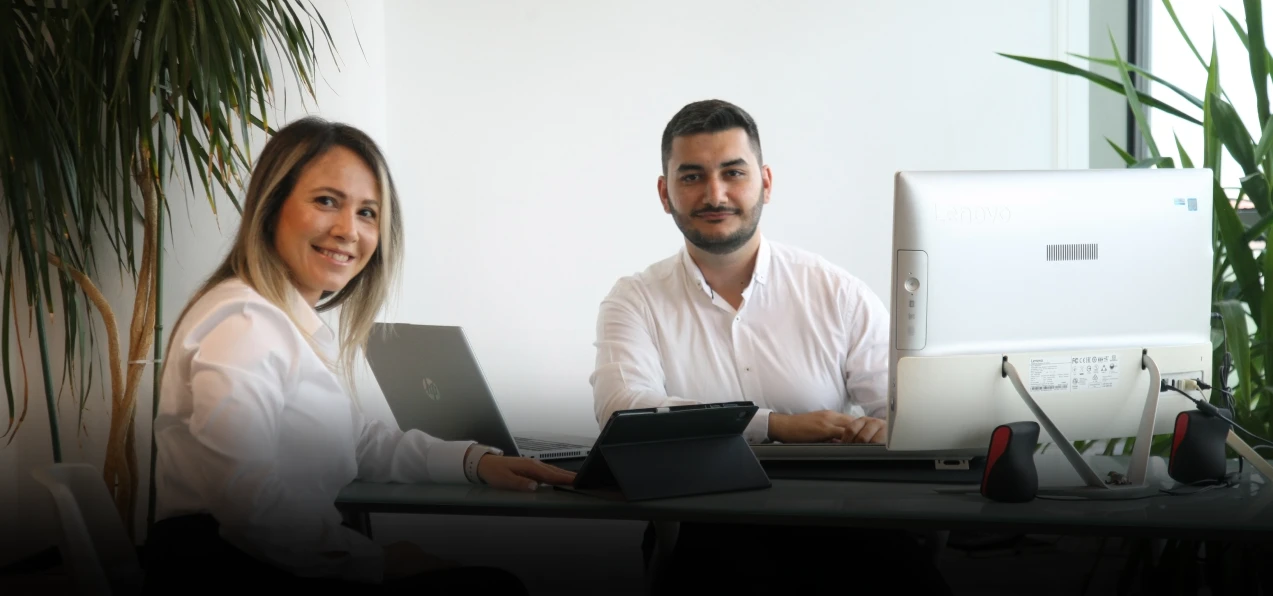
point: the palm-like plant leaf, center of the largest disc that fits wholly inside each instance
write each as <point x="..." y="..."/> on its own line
<point x="1240" y="268"/>
<point x="100" y="102"/>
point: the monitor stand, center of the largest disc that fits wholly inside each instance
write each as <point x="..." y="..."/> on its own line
<point x="1246" y="452"/>
<point x="1134" y="485"/>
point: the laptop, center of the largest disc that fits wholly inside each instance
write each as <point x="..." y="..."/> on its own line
<point x="433" y="383"/>
<point x="869" y="462"/>
<point x="943" y="459"/>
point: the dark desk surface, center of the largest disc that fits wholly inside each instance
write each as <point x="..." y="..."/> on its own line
<point x="1241" y="512"/>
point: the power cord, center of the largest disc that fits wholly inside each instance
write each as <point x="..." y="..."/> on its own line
<point x="1194" y="385"/>
<point x="1229" y="481"/>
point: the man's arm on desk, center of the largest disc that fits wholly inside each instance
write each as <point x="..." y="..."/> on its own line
<point x="866" y="323"/>
<point x="629" y="374"/>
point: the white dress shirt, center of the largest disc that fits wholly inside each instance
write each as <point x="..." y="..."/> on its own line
<point x="807" y="336"/>
<point x="254" y="429"/>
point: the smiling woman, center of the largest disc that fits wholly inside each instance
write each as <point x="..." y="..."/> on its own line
<point x="326" y="235"/>
<point x="257" y="432"/>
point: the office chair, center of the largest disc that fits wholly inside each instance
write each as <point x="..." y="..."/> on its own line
<point x="94" y="545"/>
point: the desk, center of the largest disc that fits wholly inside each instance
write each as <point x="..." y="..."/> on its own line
<point x="1242" y="513"/>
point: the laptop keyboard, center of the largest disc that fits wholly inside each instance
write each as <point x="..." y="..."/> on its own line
<point x="540" y="445"/>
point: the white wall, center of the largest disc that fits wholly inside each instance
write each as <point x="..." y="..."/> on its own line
<point x="195" y="244"/>
<point x="525" y="139"/>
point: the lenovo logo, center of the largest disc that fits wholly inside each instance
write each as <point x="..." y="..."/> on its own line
<point x="973" y="214"/>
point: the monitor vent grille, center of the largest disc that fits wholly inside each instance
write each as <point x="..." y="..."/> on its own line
<point x="1072" y="252"/>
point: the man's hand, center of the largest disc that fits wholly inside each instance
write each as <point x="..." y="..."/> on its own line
<point x="810" y="427"/>
<point x="520" y="473"/>
<point x="865" y="430"/>
<point x="826" y="426"/>
<point x="404" y="559"/>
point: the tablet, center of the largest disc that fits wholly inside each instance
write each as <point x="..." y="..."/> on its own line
<point x="672" y="451"/>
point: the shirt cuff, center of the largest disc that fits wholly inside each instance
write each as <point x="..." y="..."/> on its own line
<point x="446" y="462"/>
<point x="757" y="430"/>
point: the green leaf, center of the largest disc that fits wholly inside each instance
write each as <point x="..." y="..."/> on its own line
<point x="1130" y="91"/>
<point x="1136" y="69"/>
<point x="1257" y="229"/>
<point x="1127" y="157"/>
<point x="1210" y="138"/>
<point x="1185" y="162"/>
<point x="1259" y="64"/>
<point x="1149" y="162"/>
<point x="85" y="85"/>
<point x="1242" y="261"/>
<point x="1256" y="187"/>
<point x="1112" y="85"/>
<point x="1234" y="318"/>
<point x="1246" y="44"/>
<point x="1266" y="142"/>
<point x="1234" y="136"/>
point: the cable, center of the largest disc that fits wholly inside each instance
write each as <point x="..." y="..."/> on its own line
<point x="1162" y="492"/>
<point x="1212" y="410"/>
<point x="1229" y="481"/>
<point x="1226" y="368"/>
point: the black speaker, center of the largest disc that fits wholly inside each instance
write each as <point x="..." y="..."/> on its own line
<point x="1197" y="447"/>
<point x="1010" y="475"/>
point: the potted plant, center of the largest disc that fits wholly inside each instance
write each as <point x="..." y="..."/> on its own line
<point x="100" y="102"/>
<point x="1243" y="356"/>
<point x="1240" y="266"/>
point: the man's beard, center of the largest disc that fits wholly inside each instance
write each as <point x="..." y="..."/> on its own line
<point x="724" y="244"/>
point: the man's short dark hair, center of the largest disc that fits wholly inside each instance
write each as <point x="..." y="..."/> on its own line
<point x="709" y="116"/>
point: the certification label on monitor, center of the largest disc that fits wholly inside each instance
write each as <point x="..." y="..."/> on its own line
<point x="1049" y="374"/>
<point x="1074" y="373"/>
<point x="1099" y="371"/>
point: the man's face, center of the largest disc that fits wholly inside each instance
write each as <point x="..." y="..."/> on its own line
<point x="715" y="189"/>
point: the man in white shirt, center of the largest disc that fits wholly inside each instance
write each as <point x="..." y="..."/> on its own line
<point x="732" y="317"/>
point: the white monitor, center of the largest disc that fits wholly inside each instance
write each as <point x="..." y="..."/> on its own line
<point x="1071" y="275"/>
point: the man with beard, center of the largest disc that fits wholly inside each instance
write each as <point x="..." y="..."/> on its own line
<point x="733" y="316"/>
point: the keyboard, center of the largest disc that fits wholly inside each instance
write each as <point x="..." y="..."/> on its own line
<point x="854" y="451"/>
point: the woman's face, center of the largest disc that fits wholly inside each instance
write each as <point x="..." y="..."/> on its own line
<point x="329" y="226"/>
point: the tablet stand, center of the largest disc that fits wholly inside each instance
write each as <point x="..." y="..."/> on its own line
<point x="677" y="451"/>
<point x="676" y="468"/>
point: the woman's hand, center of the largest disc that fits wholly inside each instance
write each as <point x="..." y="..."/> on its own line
<point x="520" y="473"/>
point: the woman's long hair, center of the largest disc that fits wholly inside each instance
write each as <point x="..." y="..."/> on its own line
<point x="254" y="259"/>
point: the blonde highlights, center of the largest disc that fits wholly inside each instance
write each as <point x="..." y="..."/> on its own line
<point x="254" y="259"/>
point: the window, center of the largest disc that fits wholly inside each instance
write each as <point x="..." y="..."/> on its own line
<point x="1170" y="58"/>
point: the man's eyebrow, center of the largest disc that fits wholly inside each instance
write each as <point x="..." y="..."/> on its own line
<point x="689" y="167"/>
<point x="734" y="162"/>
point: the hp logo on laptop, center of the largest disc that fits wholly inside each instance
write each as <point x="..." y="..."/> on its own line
<point x="431" y="390"/>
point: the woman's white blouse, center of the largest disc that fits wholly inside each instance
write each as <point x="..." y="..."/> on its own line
<point x="256" y="430"/>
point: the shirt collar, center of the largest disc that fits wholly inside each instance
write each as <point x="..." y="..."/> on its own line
<point x="758" y="275"/>
<point x="309" y="320"/>
<point x="763" y="258"/>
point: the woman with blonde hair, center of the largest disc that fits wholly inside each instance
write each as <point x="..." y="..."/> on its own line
<point x="258" y="429"/>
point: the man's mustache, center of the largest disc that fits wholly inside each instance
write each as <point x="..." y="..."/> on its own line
<point x="716" y="210"/>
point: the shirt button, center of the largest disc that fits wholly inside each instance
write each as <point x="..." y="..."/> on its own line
<point x="748" y="369"/>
